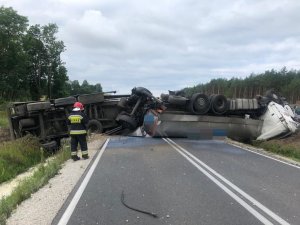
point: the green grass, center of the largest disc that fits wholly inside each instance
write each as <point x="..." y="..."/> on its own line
<point x="287" y="150"/>
<point x="33" y="183"/>
<point x="19" y="155"/>
<point x="3" y="119"/>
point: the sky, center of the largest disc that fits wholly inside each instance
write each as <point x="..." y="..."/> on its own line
<point x="169" y="44"/>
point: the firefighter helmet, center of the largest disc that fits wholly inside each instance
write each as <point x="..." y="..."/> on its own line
<point x="78" y="105"/>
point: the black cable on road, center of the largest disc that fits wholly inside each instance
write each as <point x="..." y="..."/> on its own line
<point x="138" y="210"/>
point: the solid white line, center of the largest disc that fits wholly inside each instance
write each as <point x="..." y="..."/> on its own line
<point x="267" y="156"/>
<point x="66" y="216"/>
<point x="233" y="186"/>
<point x="260" y="217"/>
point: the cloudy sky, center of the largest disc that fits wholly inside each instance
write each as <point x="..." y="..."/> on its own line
<point x="169" y="44"/>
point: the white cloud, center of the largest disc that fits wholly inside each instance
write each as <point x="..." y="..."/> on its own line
<point x="92" y="30"/>
<point x="169" y="44"/>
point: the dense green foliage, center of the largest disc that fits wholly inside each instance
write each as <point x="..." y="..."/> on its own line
<point x="286" y="83"/>
<point x="17" y="156"/>
<point x="3" y="119"/>
<point x="291" y="150"/>
<point x="30" y="61"/>
<point x="32" y="184"/>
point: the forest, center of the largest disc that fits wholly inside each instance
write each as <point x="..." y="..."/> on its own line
<point x="285" y="83"/>
<point x="30" y="61"/>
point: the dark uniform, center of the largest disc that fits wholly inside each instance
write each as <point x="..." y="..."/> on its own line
<point x="78" y="123"/>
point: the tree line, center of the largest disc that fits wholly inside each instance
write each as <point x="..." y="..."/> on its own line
<point x="285" y="82"/>
<point x="30" y="61"/>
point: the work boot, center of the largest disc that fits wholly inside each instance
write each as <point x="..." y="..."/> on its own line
<point x="75" y="157"/>
<point x="85" y="156"/>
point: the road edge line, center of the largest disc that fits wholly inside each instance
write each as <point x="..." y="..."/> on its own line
<point x="267" y="156"/>
<point x="230" y="184"/>
<point x="236" y="188"/>
<point x="68" y="212"/>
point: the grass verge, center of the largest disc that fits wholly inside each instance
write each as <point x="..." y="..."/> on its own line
<point x="3" y="119"/>
<point x="18" y="156"/>
<point x="285" y="149"/>
<point x="33" y="183"/>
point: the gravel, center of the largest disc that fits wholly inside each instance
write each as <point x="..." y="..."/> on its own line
<point x="43" y="205"/>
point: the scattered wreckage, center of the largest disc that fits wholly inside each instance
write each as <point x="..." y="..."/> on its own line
<point x="172" y="115"/>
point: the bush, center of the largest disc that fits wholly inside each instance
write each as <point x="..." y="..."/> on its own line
<point x="19" y="155"/>
<point x="33" y="183"/>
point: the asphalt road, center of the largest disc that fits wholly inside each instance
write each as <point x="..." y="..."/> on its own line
<point x="183" y="182"/>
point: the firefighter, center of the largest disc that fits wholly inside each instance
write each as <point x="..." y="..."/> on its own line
<point x="78" y="126"/>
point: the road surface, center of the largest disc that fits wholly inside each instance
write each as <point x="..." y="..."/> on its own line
<point x="183" y="182"/>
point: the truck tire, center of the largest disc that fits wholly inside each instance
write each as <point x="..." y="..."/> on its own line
<point x="122" y="103"/>
<point x="126" y="121"/>
<point x="50" y="146"/>
<point x="199" y="104"/>
<point x="164" y="97"/>
<point x="141" y="91"/>
<point x="91" y="98"/>
<point x="64" y="101"/>
<point x="25" y="123"/>
<point x="177" y="100"/>
<point x="94" y="126"/>
<point x="219" y="104"/>
<point x="38" y="106"/>
<point x="21" y="110"/>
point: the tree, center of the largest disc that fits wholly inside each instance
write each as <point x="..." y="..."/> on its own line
<point x="30" y="62"/>
<point x="54" y="49"/>
<point x="60" y="84"/>
<point x="36" y="60"/>
<point x="286" y="83"/>
<point x="98" y="87"/>
<point x="12" y="57"/>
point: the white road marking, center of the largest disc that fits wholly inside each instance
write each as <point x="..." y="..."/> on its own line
<point x="193" y="160"/>
<point x="67" y="214"/>
<point x="267" y="156"/>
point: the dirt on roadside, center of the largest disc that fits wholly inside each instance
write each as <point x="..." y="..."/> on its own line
<point x="293" y="140"/>
<point x="4" y="134"/>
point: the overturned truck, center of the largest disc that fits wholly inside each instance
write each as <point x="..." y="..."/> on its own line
<point x="202" y="116"/>
<point x="48" y="119"/>
<point x="171" y="115"/>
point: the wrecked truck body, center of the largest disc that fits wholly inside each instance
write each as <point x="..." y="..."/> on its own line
<point x="48" y="119"/>
<point x="172" y="115"/>
<point x="273" y="123"/>
<point x="205" y="117"/>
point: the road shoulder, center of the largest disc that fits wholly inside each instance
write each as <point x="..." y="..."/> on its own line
<point x="45" y="203"/>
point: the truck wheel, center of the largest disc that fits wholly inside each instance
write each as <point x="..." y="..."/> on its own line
<point x="94" y="126"/>
<point x="21" y="110"/>
<point x="126" y="121"/>
<point x="122" y="103"/>
<point x="64" y="101"/>
<point x="91" y="98"/>
<point x="177" y="100"/>
<point x="29" y="122"/>
<point x="199" y="104"/>
<point x="219" y="104"/>
<point x="164" y="97"/>
<point x="50" y="146"/>
<point x="38" y="106"/>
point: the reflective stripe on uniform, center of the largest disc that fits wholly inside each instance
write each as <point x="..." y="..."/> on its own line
<point x="73" y="153"/>
<point x="78" y="132"/>
<point x="84" y="152"/>
<point x="75" y="118"/>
